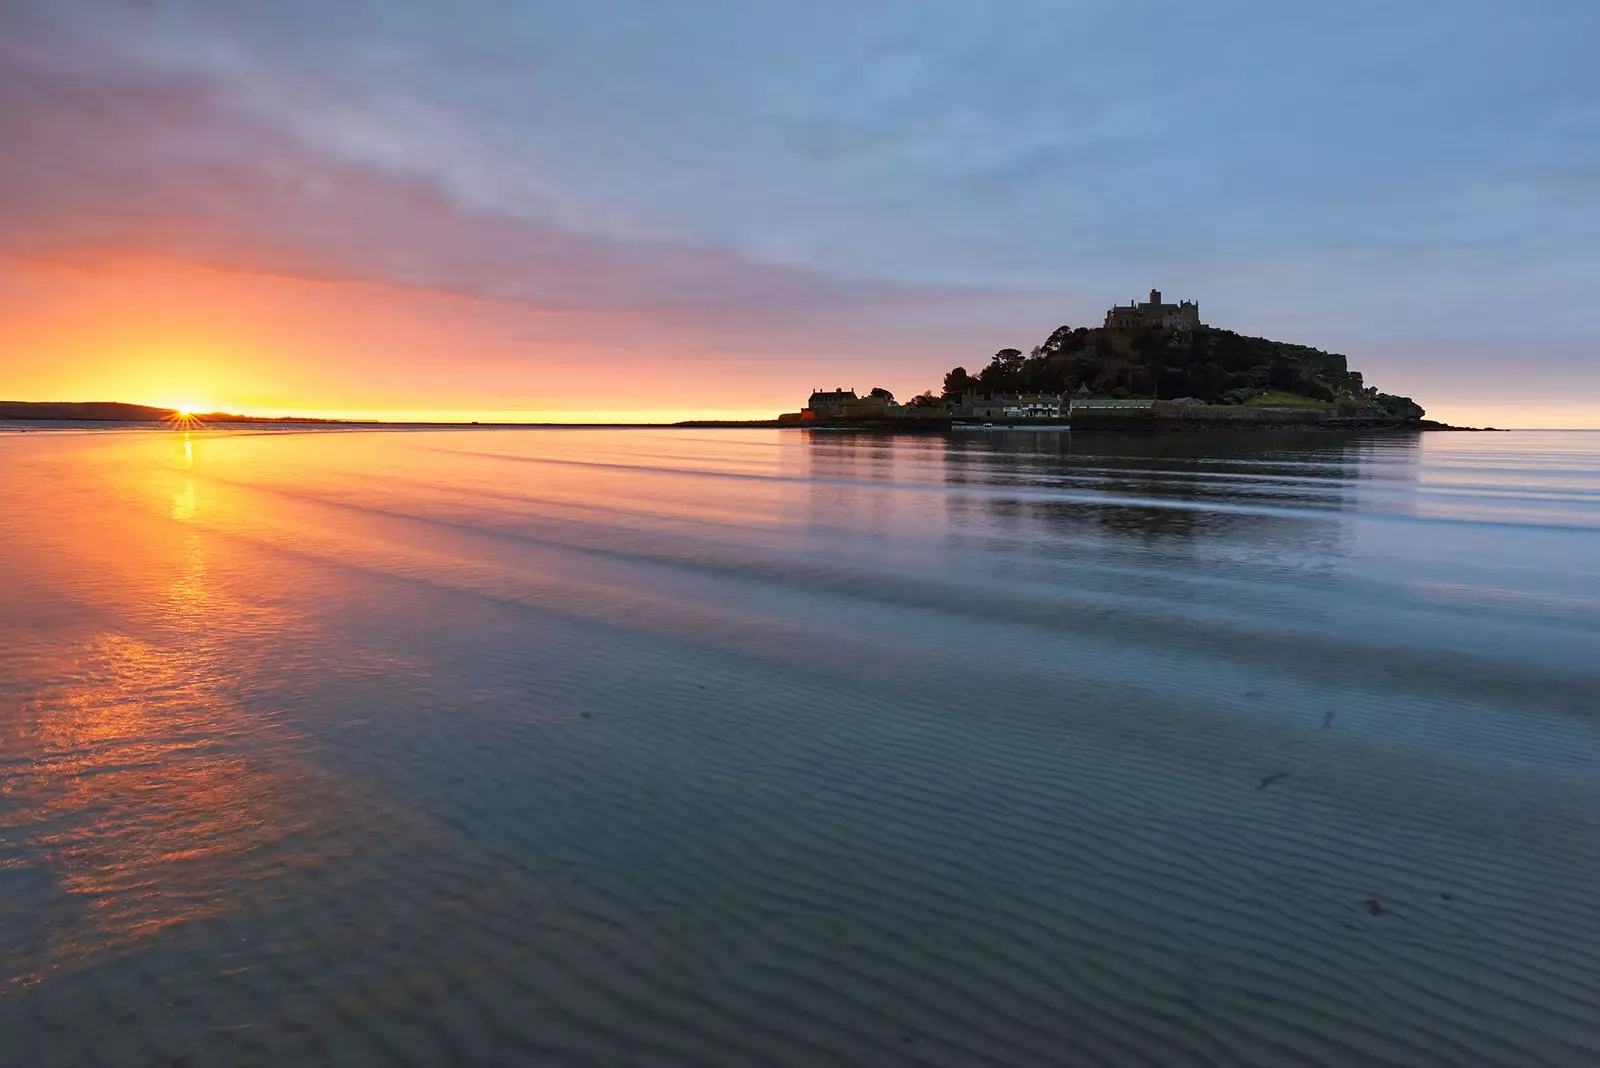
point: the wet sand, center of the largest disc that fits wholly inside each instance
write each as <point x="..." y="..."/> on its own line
<point x="761" y="747"/>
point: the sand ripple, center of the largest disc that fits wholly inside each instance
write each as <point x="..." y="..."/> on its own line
<point x="500" y="749"/>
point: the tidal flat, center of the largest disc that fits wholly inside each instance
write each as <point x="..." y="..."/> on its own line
<point x="769" y="747"/>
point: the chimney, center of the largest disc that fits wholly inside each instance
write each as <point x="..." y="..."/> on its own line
<point x="1155" y="296"/>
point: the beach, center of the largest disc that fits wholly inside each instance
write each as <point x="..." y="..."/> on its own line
<point x="749" y="746"/>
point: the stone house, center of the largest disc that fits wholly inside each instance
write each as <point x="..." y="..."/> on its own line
<point x="830" y="404"/>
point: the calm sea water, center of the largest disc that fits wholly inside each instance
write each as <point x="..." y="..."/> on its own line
<point x="774" y="748"/>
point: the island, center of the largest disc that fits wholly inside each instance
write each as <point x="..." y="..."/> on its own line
<point x="1151" y="365"/>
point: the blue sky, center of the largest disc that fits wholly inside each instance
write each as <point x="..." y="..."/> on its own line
<point x="795" y="190"/>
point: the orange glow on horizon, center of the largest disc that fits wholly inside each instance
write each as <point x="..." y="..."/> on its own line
<point x="116" y="325"/>
<point x="616" y="416"/>
<point x="145" y="331"/>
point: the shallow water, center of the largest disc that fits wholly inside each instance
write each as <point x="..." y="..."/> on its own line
<point x="758" y="747"/>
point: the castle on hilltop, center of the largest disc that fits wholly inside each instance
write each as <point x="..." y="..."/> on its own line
<point x="1184" y="315"/>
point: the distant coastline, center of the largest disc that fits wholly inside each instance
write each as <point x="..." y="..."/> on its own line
<point x="118" y="414"/>
<point x="121" y="412"/>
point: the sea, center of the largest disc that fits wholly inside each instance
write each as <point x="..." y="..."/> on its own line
<point x="753" y="747"/>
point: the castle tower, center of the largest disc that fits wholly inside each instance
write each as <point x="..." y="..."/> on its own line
<point x="1155" y="296"/>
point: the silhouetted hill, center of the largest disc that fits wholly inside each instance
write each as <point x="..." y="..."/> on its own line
<point x="118" y="412"/>
<point x="1206" y="363"/>
<point x="84" y="410"/>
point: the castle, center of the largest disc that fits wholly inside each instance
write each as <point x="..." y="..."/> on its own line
<point x="1182" y="316"/>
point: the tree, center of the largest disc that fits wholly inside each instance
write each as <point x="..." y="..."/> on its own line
<point x="1058" y="338"/>
<point x="925" y="400"/>
<point x="958" y="382"/>
<point x="879" y="393"/>
<point x="1004" y="373"/>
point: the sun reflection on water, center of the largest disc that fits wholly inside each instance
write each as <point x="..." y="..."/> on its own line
<point x="147" y="793"/>
<point x="183" y="503"/>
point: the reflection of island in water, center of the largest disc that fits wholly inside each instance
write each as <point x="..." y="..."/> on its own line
<point x="1105" y="532"/>
<point x="1251" y="489"/>
<point x="1256" y="486"/>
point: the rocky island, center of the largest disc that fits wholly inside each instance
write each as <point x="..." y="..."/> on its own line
<point x="1150" y="365"/>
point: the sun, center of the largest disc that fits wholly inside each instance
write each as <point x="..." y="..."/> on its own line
<point x="183" y="418"/>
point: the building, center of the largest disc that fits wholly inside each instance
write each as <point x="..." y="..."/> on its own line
<point x="1011" y="406"/>
<point x="1035" y="406"/>
<point x="1111" y="403"/>
<point x="979" y="406"/>
<point x="830" y="404"/>
<point x="870" y="407"/>
<point x="1185" y="315"/>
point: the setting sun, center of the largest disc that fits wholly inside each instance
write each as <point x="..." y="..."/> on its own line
<point x="183" y="417"/>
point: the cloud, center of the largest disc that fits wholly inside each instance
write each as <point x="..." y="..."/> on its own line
<point x="117" y="163"/>
<point x="920" y="178"/>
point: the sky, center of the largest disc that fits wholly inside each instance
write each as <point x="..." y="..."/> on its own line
<point x="625" y="209"/>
